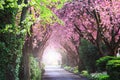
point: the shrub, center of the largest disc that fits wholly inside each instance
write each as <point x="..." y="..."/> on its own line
<point x="100" y="76"/>
<point x="88" y="54"/>
<point x="101" y="63"/>
<point x="103" y="77"/>
<point x="35" y="69"/>
<point x="67" y="68"/>
<point x="75" y="69"/>
<point x="85" y="73"/>
<point x="113" y="69"/>
<point x="116" y="58"/>
<point x="72" y="69"/>
<point x="42" y="67"/>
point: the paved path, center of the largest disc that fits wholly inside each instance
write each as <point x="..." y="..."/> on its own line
<point x="57" y="73"/>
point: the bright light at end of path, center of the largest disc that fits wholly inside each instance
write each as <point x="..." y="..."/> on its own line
<point x="51" y="57"/>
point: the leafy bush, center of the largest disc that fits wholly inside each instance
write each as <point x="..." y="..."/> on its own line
<point x="75" y="69"/>
<point x="113" y="69"/>
<point x="85" y="73"/>
<point x="35" y="69"/>
<point x="100" y="76"/>
<point x="95" y="76"/>
<point x="42" y="68"/>
<point x="103" y="77"/>
<point x="72" y="69"/>
<point x="101" y="63"/>
<point x="89" y="54"/>
<point x="67" y="67"/>
<point x="116" y="58"/>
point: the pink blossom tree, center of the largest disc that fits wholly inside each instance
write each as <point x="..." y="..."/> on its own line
<point x="95" y="20"/>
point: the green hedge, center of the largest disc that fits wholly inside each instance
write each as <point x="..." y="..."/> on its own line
<point x="101" y="63"/>
<point x="113" y="69"/>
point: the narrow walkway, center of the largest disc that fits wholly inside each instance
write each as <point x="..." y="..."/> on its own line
<point x="57" y="73"/>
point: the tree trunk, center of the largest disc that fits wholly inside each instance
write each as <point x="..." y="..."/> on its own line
<point x="101" y="53"/>
<point x="112" y="52"/>
<point x="26" y="63"/>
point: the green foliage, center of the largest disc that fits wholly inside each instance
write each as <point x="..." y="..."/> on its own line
<point x="8" y="10"/>
<point x="103" y="77"/>
<point x="89" y="54"/>
<point x="8" y="4"/>
<point x="2" y="2"/>
<point x="72" y="69"/>
<point x="35" y="69"/>
<point x="11" y="50"/>
<point x="85" y="73"/>
<point x="53" y="3"/>
<point x="116" y="58"/>
<point x="112" y="65"/>
<point x="29" y="20"/>
<point x="100" y="76"/>
<point x="75" y="70"/>
<point x="113" y="69"/>
<point x="101" y="63"/>
<point x="67" y="67"/>
<point x="43" y="8"/>
<point x="42" y="68"/>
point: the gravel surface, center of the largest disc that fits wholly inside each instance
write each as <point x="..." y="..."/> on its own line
<point x="57" y="73"/>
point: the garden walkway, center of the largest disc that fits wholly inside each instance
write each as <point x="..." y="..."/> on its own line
<point x="57" y="73"/>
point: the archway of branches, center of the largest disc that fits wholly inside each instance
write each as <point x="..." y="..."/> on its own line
<point x="58" y="56"/>
<point x="53" y="49"/>
<point x="54" y="40"/>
